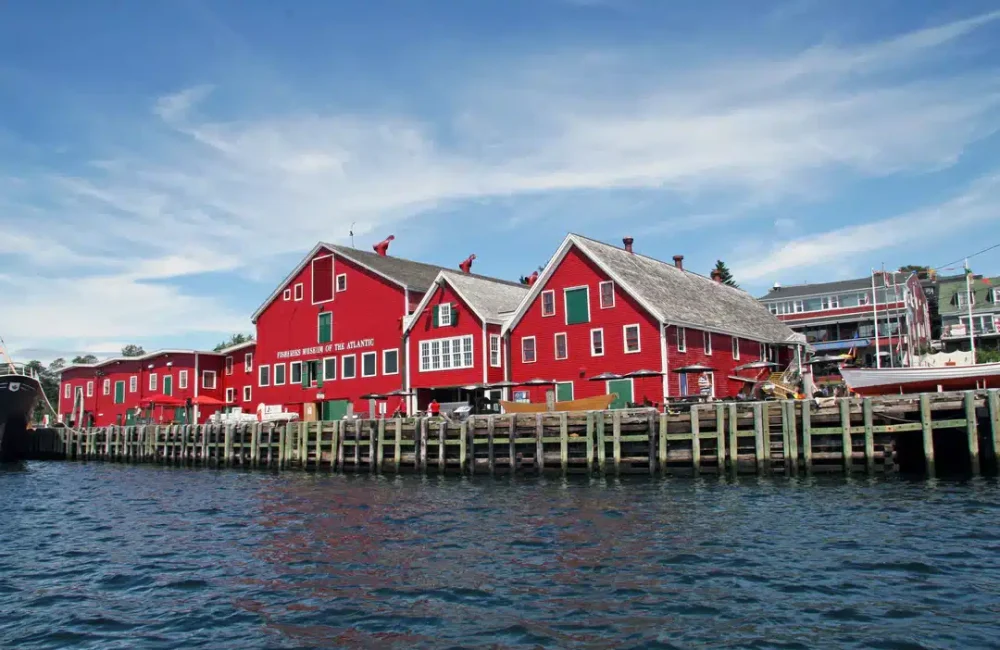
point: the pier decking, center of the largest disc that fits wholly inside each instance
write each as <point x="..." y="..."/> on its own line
<point x="872" y="435"/>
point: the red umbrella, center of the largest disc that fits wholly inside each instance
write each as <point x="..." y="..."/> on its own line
<point x="207" y="400"/>
<point x="164" y="400"/>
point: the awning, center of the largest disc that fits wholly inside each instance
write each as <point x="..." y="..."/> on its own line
<point x="841" y="345"/>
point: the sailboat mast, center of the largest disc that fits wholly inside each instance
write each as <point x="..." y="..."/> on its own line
<point x="968" y="301"/>
<point x="878" y="349"/>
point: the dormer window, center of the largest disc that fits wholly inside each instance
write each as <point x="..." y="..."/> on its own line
<point x="963" y="298"/>
<point x="996" y="295"/>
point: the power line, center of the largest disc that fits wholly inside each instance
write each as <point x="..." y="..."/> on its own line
<point x="961" y="259"/>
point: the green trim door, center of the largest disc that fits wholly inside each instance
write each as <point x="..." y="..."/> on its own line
<point x="334" y="409"/>
<point x="325" y="327"/>
<point x="180" y="415"/>
<point x="623" y="387"/>
<point x="119" y="392"/>
<point x="168" y="385"/>
<point x="564" y="391"/>
<point x="577" y="306"/>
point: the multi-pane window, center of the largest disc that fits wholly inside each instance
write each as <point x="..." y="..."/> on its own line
<point x="208" y="379"/>
<point x="562" y="351"/>
<point x="106" y="387"/>
<point x="246" y="393"/>
<point x="229" y="365"/>
<point x="279" y="374"/>
<point x="447" y="354"/>
<point x="632" y="344"/>
<point x="444" y="315"/>
<point x="342" y="282"/>
<point x="264" y="376"/>
<point x="152" y="381"/>
<point x="369" y="364"/>
<point x="230" y="395"/>
<point x="548" y="303"/>
<point x="248" y="362"/>
<point x="494" y="350"/>
<point x="295" y="368"/>
<point x="349" y="369"/>
<point x="607" y="295"/>
<point x="528" y="349"/>
<point x="182" y="379"/>
<point x="133" y="384"/>
<point x="597" y="343"/>
<point x="682" y="339"/>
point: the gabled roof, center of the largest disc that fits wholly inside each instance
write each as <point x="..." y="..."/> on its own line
<point x="238" y="346"/>
<point x="671" y="295"/>
<point x="141" y="357"/>
<point x="825" y="288"/>
<point x="490" y="299"/>
<point x="982" y="289"/>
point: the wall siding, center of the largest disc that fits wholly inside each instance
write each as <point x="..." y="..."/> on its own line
<point x="468" y="324"/>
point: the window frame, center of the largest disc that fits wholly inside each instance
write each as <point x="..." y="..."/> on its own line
<point x="343" y="365"/>
<point x="284" y="374"/>
<point x="106" y="387"/>
<point x="231" y="395"/>
<point x="534" y="349"/>
<point x="604" y="346"/>
<point x="298" y="292"/>
<point x="182" y="380"/>
<point x="638" y="338"/>
<point x="336" y="283"/>
<point x="133" y="384"/>
<point x="385" y="353"/>
<point x="336" y="368"/>
<point x="153" y="381"/>
<point x="445" y="361"/>
<point x="115" y="398"/>
<point x="374" y="373"/>
<point x="552" y="294"/>
<point x="497" y="361"/>
<point x="600" y="291"/>
<point x="247" y="393"/>
<point x="319" y="326"/>
<point x="248" y="362"/>
<point x="706" y="343"/>
<point x="67" y="391"/>
<point x="90" y="388"/>
<point x="735" y="345"/>
<point x="205" y="374"/>
<point x="295" y="367"/>
<point x="286" y="295"/>
<point x="229" y="365"/>
<point x="262" y="370"/>
<point x="555" y="344"/>
<point x="442" y="309"/>
<point x="681" y="339"/>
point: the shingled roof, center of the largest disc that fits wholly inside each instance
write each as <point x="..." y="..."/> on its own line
<point x="678" y="297"/>
<point x="823" y="288"/>
<point x="491" y="299"/>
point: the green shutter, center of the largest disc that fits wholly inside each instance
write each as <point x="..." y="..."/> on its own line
<point x="305" y="375"/>
<point x="318" y="372"/>
<point x="577" y="309"/>
<point x="623" y="388"/>
<point x="454" y="316"/>
<point x="168" y="385"/>
<point x="325" y="327"/>
<point x="119" y="392"/>
<point x="564" y="391"/>
<point x="434" y="309"/>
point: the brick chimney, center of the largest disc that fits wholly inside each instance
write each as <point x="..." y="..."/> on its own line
<point x="679" y="261"/>
<point x="628" y="243"/>
<point x="532" y="279"/>
<point x="382" y="248"/>
<point x="466" y="266"/>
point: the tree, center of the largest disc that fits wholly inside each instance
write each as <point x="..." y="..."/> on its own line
<point x="85" y="359"/>
<point x="132" y="350"/>
<point x="235" y="339"/>
<point x="49" y="378"/>
<point x="726" y="275"/>
<point x="914" y="268"/>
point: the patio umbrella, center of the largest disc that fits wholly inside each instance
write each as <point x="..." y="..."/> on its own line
<point x="501" y="384"/>
<point x="164" y="400"/>
<point x="473" y="387"/>
<point x="399" y="392"/>
<point x="207" y="400"/>
<point x="537" y="382"/>
<point x="636" y="374"/>
<point x="374" y="396"/>
<point x="755" y="365"/>
<point x="696" y="367"/>
<point x="605" y="376"/>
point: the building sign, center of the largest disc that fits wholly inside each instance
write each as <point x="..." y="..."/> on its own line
<point x="359" y="344"/>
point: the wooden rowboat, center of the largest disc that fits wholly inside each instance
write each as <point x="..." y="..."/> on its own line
<point x="889" y="381"/>
<point x="597" y="403"/>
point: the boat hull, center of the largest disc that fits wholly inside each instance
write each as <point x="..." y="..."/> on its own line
<point x="18" y="396"/>
<point x="895" y="381"/>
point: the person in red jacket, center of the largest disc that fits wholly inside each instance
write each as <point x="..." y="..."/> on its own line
<point x="434" y="408"/>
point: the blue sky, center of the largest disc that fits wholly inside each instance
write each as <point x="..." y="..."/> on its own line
<point x="163" y="165"/>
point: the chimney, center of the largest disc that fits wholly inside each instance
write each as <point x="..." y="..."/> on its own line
<point x="716" y="276"/>
<point x="382" y="248"/>
<point x="532" y="279"/>
<point x="466" y="266"/>
<point x="679" y="261"/>
<point x="628" y="243"/>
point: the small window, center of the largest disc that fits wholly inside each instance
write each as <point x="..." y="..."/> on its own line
<point x="230" y="395"/>
<point x="390" y="362"/>
<point x="182" y="379"/>
<point x="763" y="352"/>
<point x="562" y="351"/>
<point x="548" y="303"/>
<point x="494" y="350"/>
<point x="369" y="366"/>
<point x="296" y="370"/>
<point x="632" y="343"/>
<point x="152" y="381"/>
<point x="66" y="391"/>
<point x="208" y="379"/>
<point x="279" y="374"/>
<point x="106" y="387"/>
<point x="682" y="344"/>
<point x="528" y="349"/>
<point x="286" y="294"/>
<point x="444" y="314"/>
<point x="298" y="291"/>
<point x="248" y="362"/>
<point x="425" y="356"/>
<point x="736" y="348"/>
<point x="342" y="282"/>
<point x="264" y="376"/>
<point x="707" y="342"/>
<point x="329" y="369"/>
<point x="90" y="388"/>
<point x="349" y="368"/>
<point x="996" y="295"/>
<point x="229" y="365"/>
<point x="607" y="294"/>
<point x="246" y="393"/>
<point x="597" y="343"/>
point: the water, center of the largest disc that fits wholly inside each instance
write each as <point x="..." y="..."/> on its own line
<point x="106" y="556"/>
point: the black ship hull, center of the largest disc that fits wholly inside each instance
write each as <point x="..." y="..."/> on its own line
<point x="18" y="396"/>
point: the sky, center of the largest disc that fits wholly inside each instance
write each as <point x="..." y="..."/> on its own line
<point x="164" y="164"/>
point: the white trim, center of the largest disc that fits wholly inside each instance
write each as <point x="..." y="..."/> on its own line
<point x="600" y="293"/>
<point x="499" y="362"/>
<point x="133" y="384"/>
<point x="572" y="389"/>
<point x="292" y="366"/>
<point x="384" y="354"/>
<point x="261" y="370"/>
<point x="152" y="381"/>
<point x="286" y="295"/>
<point x="439" y="281"/>
<point x="336" y="282"/>
<point x="312" y="280"/>
<point x="566" y="291"/>
<point x="555" y="344"/>
<point x="442" y="309"/>
<point x="638" y="338"/>
<point x="114" y="399"/>
<point x="534" y="349"/>
<point x="486" y="352"/>
<point x="343" y="364"/>
<point x="167" y="379"/>
<point x="284" y="374"/>
<point x="229" y="364"/>
<point x="324" y="364"/>
<point x="68" y="391"/>
<point x="664" y="364"/>
<point x="90" y="388"/>
<point x="182" y="380"/>
<point x="231" y="395"/>
<point x="319" y="320"/>
<point x="248" y="362"/>
<point x="205" y="374"/>
<point x="374" y="372"/>
<point x="604" y="345"/>
<point x="145" y="357"/>
<point x="735" y="347"/>
<point x="542" y="303"/>
<point x="706" y="342"/>
<point x="106" y="387"/>
<point x="247" y="393"/>
<point x="680" y="333"/>
<point x="298" y="292"/>
<point x="447" y="362"/>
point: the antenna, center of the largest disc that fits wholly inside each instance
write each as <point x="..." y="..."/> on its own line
<point x="352" y="233"/>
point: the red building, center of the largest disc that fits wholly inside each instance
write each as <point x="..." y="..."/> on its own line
<point x="239" y="377"/>
<point x="454" y="336"/>
<point x="598" y="308"/>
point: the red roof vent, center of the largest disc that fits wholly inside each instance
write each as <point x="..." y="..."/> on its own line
<point x="717" y="276"/>
<point x="466" y="266"/>
<point x="532" y="279"/>
<point x="628" y="243"/>
<point x="382" y="248"/>
<point x="679" y="261"/>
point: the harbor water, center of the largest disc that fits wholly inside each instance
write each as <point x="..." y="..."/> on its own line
<point x="113" y="556"/>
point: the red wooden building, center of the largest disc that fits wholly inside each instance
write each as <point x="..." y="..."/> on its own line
<point x="454" y="336"/>
<point x="239" y="377"/>
<point x="598" y="308"/>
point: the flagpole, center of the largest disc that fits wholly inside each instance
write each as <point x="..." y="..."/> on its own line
<point x="968" y="300"/>
<point x="878" y="349"/>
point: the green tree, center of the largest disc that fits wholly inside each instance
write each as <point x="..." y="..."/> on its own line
<point x="48" y="376"/>
<point x="914" y="268"/>
<point x="987" y="356"/>
<point x="725" y="274"/>
<point x="84" y="359"/>
<point x="132" y="350"/>
<point x="235" y="339"/>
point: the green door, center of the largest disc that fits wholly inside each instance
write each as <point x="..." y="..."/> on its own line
<point x="623" y="388"/>
<point x="119" y="392"/>
<point x="130" y="417"/>
<point x="180" y="415"/>
<point x="577" y="306"/>
<point x="168" y="385"/>
<point x="564" y="391"/>
<point x="334" y="409"/>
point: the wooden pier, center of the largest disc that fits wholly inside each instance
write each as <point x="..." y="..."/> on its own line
<point x="873" y="435"/>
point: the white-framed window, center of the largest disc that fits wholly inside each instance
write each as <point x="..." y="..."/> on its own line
<point x="494" y="350"/>
<point x="349" y="366"/>
<point x="90" y="389"/>
<point x="264" y="375"/>
<point x="229" y="364"/>
<point x="963" y="298"/>
<point x="444" y="314"/>
<point x="763" y="352"/>
<point x="106" y="387"/>
<point x="208" y="379"/>
<point x="298" y="291"/>
<point x="528" y="349"/>
<point x="279" y="374"/>
<point x="548" y="303"/>
<point x="295" y="368"/>
<point x="682" y="339"/>
<point x="286" y="294"/>
<point x="67" y="391"/>
<point x="341" y="282"/>
<point x="562" y="346"/>
<point x="152" y="381"/>
<point x="707" y="342"/>
<point x="390" y="362"/>
<point x="736" y="348"/>
<point x="607" y="294"/>
<point x="369" y="364"/>
<point x="329" y="368"/>
<point x="230" y="395"/>
<point x="246" y="393"/>
<point x="248" y="362"/>
<point x="996" y="295"/>
<point x="182" y="379"/>
<point x="632" y="342"/>
<point x="597" y="342"/>
<point x="454" y="353"/>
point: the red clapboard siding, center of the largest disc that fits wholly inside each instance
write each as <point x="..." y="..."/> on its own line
<point x="423" y="329"/>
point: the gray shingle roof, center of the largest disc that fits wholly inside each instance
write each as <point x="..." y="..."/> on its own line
<point x="822" y="288"/>
<point x="688" y="299"/>
<point x="494" y="300"/>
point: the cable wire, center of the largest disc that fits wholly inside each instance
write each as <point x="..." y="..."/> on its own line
<point x="985" y="250"/>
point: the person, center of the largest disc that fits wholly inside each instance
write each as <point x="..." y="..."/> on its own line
<point x="705" y="386"/>
<point x="434" y="408"/>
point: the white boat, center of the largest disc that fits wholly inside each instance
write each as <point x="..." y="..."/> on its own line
<point x="893" y="381"/>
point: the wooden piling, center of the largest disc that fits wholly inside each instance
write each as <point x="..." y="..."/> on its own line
<point x="616" y="432"/>
<point x="845" y="433"/>
<point x="972" y="431"/>
<point x="758" y="430"/>
<point x="695" y="440"/>
<point x="869" y="435"/>
<point x="539" y="443"/>
<point x="807" y="435"/>
<point x="993" y="403"/>
<point x="733" y="440"/>
<point x="927" y="429"/>
<point x="564" y="441"/>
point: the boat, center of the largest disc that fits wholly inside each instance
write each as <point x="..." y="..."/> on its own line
<point x="917" y="379"/>
<point x="596" y="403"/>
<point x="20" y="390"/>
